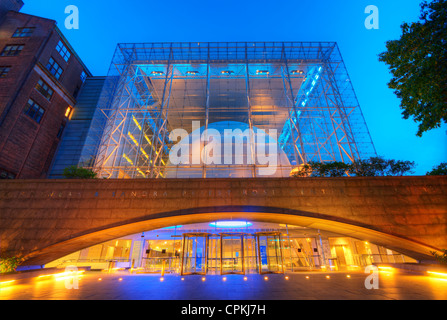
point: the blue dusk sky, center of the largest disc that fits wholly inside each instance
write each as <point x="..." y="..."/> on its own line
<point x="103" y="24"/>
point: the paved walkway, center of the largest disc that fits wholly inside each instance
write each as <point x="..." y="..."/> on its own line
<point x="298" y="286"/>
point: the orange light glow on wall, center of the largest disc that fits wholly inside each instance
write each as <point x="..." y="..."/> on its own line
<point x="68" y="112"/>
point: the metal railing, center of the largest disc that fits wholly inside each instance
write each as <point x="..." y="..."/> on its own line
<point x="161" y="265"/>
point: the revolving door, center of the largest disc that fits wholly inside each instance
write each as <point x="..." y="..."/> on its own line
<point x="270" y="258"/>
<point x="194" y="253"/>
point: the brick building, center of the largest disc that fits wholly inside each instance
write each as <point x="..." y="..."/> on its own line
<point x="40" y="78"/>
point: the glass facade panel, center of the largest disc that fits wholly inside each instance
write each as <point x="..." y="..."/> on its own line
<point x="207" y="110"/>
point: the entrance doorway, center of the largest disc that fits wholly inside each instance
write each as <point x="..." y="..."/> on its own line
<point x="194" y="253"/>
<point x="231" y="253"/>
<point x="270" y="253"/>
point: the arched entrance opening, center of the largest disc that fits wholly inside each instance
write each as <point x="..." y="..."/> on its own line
<point x="195" y="244"/>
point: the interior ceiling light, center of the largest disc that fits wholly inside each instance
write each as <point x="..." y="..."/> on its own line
<point x="230" y="224"/>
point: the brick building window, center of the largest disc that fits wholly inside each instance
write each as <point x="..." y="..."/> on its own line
<point x="63" y="51"/>
<point x="44" y="89"/>
<point x="54" y="68"/>
<point x="83" y="76"/>
<point x="76" y="92"/>
<point x="23" y="32"/>
<point x="61" y="131"/>
<point x="6" y="174"/>
<point x="12" y="50"/>
<point x="34" y="111"/>
<point x="4" y="71"/>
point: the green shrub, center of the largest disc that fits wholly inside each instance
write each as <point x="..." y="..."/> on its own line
<point x="74" y="172"/>
<point x="442" y="258"/>
<point x="9" y="264"/>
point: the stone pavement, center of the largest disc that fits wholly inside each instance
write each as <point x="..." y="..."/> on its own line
<point x="297" y="286"/>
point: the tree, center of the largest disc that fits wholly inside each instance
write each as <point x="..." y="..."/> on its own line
<point x="372" y="167"/>
<point x="378" y="166"/>
<point x="440" y="170"/>
<point x="329" y="169"/>
<point x="418" y="63"/>
<point x="74" y="172"/>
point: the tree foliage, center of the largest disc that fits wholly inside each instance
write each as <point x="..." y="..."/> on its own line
<point x="323" y="169"/>
<point x="372" y="167"/>
<point x="378" y="166"/>
<point x="74" y="172"/>
<point x="440" y="170"/>
<point x="418" y="63"/>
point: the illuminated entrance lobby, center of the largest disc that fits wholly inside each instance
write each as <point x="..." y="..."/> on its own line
<point x="232" y="247"/>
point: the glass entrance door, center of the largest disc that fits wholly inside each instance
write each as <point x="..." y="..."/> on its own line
<point x="194" y="253"/>
<point x="270" y="253"/>
<point x="232" y="253"/>
<point x="213" y="264"/>
<point x="250" y="253"/>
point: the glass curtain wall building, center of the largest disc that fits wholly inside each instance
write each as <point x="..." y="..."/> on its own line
<point x="186" y="110"/>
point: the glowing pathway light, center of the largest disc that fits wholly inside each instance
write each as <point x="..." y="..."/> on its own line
<point x="230" y="224"/>
<point x="437" y="275"/>
<point x="6" y="283"/>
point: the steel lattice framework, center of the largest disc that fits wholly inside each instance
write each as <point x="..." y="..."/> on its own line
<point x="301" y="89"/>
